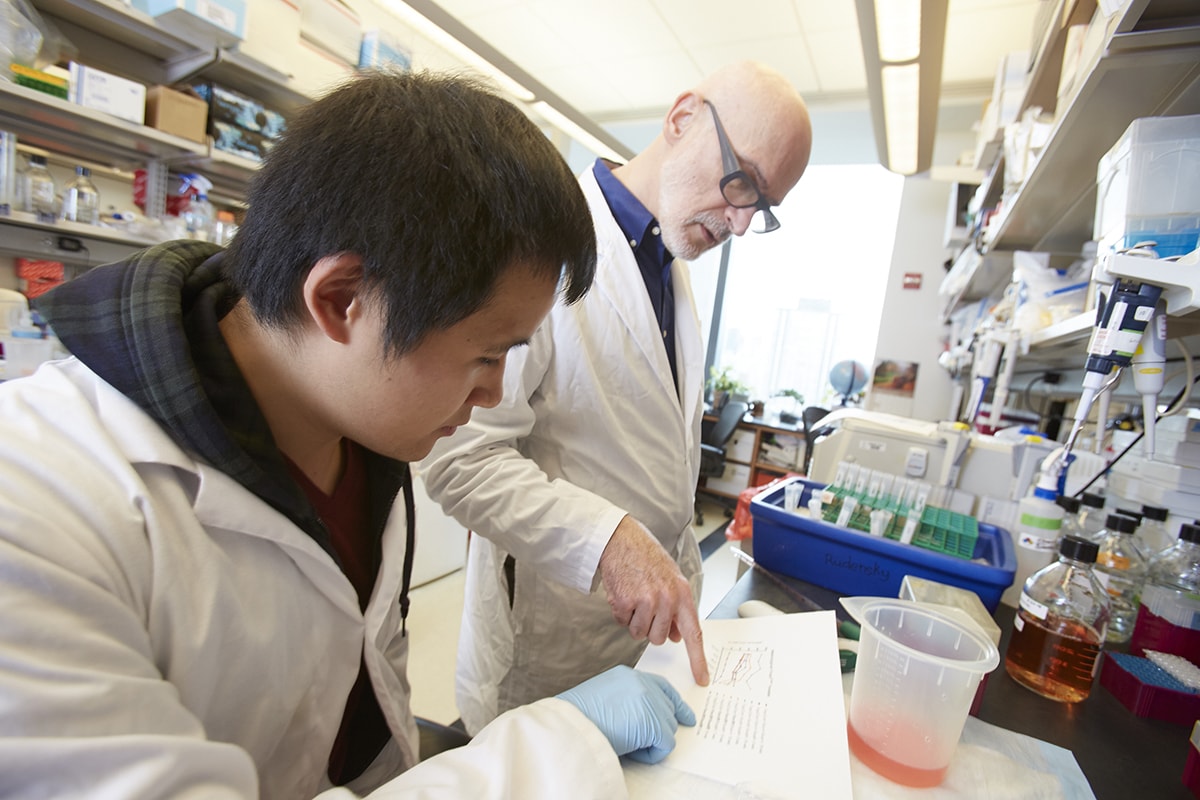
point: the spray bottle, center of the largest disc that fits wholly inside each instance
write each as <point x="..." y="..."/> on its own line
<point x="1039" y="524"/>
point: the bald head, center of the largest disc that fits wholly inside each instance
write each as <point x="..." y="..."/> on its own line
<point x="678" y="177"/>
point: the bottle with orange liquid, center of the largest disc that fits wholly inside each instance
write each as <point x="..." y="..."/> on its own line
<point x="1121" y="566"/>
<point x="1060" y="625"/>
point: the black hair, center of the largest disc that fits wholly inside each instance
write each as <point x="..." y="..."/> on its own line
<point x="439" y="185"/>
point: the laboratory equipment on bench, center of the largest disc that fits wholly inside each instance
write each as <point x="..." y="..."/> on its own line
<point x="1131" y="328"/>
<point x="993" y="346"/>
<point x="973" y="473"/>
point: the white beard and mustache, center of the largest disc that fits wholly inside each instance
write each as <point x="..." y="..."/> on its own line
<point x="678" y="183"/>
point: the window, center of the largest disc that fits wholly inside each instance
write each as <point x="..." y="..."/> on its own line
<point x="809" y="295"/>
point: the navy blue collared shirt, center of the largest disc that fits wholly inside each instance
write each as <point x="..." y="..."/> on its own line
<point x="644" y="235"/>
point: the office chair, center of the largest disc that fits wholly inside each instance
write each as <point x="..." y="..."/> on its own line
<point x="712" y="445"/>
<point x="811" y="416"/>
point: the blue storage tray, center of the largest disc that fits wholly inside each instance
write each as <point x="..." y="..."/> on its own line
<point x="856" y="563"/>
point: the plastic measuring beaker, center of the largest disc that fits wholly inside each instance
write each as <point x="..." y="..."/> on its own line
<point x="918" y="668"/>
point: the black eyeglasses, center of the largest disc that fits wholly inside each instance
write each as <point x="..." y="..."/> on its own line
<point x="738" y="188"/>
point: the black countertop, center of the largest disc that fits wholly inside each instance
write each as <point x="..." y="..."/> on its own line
<point x="1122" y="755"/>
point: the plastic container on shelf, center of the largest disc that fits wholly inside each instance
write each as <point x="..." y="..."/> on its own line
<point x="1060" y="625"/>
<point x="1148" y="186"/>
<point x="1121" y="566"/>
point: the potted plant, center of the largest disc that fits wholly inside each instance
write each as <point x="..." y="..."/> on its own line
<point x="724" y="387"/>
<point x="790" y="414"/>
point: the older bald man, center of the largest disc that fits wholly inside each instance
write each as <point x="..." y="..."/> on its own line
<point x="581" y="482"/>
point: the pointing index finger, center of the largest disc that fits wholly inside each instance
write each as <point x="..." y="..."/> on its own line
<point x="693" y="638"/>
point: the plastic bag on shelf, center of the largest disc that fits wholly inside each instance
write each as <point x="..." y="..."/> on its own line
<point x="20" y="38"/>
<point x="1047" y="295"/>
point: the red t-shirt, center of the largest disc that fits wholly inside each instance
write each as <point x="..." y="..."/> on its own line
<point x="346" y="515"/>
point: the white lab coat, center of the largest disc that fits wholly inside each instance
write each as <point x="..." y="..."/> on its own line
<point x="591" y="428"/>
<point x="165" y="633"/>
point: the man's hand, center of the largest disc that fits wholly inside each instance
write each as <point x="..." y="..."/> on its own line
<point x="649" y="595"/>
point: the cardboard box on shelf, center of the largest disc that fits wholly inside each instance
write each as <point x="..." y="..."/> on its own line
<point x="178" y="113"/>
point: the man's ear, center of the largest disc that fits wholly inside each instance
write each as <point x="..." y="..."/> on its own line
<point x="683" y="112"/>
<point x="333" y="294"/>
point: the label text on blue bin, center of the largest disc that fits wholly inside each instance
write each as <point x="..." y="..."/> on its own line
<point x="871" y="570"/>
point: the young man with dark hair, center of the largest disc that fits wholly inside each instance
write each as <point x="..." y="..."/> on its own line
<point x="204" y="560"/>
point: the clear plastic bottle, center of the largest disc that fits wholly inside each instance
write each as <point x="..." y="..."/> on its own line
<point x="1121" y="566"/>
<point x="1169" y="617"/>
<point x="41" y="195"/>
<point x="200" y="218"/>
<point x="1039" y="523"/>
<point x="1092" y="515"/>
<point x="1153" y="530"/>
<point x="1060" y="625"/>
<point x="225" y="228"/>
<point x="81" y="200"/>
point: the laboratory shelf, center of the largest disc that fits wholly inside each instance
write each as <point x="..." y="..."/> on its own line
<point x="55" y="124"/>
<point x="1136" y="73"/>
<point x="72" y="243"/>
<point x="1067" y="333"/>
<point x="124" y="40"/>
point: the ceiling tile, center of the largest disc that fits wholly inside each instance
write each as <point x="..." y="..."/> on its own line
<point x="525" y="38"/>
<point x="697" y="23"/>
<point x="839" y="63"/>
<point x="785" y="54"/>
<point x="653" y="82"/>
<point x="822" y="15"/>
<point x="577" y="85"/>
<point x="623" y="28"/>
<point x="970" y="55"/>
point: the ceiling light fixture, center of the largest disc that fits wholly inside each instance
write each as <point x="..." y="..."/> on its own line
<point x="576" y="131"/>
<point x="433" y="22"/>
<point x="902" y="42"/>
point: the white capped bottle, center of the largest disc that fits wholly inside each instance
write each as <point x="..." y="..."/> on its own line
<point x="1039" y="523"/>
<point x="81" y="200"/>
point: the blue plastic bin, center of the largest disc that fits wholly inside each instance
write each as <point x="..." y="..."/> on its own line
<point x="857" y="563"/>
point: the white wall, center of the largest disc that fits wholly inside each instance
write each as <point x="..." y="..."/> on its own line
<point x="910" y="329"/>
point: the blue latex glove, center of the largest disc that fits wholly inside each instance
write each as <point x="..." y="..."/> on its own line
<point x="637" y="711"/>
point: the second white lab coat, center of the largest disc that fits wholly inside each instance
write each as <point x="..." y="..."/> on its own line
<point x="165" y="633"/>
<point x="591" y="428"/>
